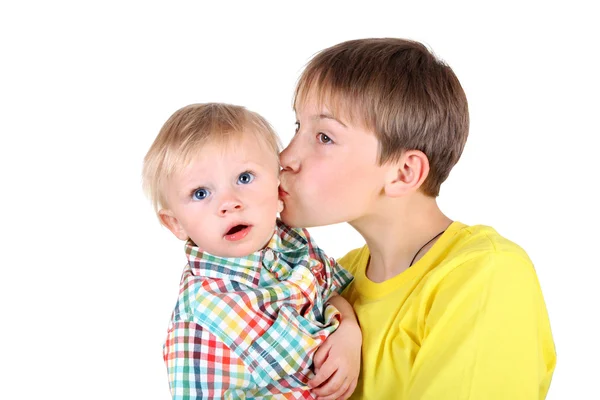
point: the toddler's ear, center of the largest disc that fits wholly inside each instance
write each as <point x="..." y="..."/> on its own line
<point x="172" y="223"/>
<point x="280" y="206"/>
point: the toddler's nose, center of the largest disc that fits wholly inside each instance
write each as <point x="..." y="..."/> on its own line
<point x="229" y="206"/>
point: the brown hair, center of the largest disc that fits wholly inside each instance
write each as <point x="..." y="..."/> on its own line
<point x="190" y="128"/>
<point x="399" y="90"/>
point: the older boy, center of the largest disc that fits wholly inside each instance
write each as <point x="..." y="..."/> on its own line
<point x="447" y="311"/>
<point x="253" y="304"/>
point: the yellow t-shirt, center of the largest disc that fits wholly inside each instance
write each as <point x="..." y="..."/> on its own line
<point x="466" y="321"/>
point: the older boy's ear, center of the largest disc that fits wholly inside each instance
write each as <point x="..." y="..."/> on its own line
<point x="172" y="223"/>
<point x="407" y="174"/>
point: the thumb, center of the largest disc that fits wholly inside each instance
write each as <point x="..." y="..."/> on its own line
<point x="321" y="355"/>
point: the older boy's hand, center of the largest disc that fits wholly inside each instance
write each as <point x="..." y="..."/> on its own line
<point x="337" y="362"/>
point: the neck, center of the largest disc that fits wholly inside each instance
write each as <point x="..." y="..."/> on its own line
<point x="396" y="230"/>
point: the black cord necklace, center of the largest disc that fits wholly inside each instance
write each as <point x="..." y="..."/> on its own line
<point x="422" y="247"/>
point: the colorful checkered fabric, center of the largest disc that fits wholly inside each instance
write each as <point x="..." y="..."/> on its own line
<point x="247" y="328"/>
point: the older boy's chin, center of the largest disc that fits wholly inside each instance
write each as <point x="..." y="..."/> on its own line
<point x="290" y="219"/>
<point x="296" y="218"/>
<point x="299" y="219"/>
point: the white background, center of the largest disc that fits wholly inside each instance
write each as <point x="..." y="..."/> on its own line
<point x="88" y="278"/>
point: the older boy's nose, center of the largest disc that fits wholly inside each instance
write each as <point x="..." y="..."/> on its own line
<point x="289" y="159"/>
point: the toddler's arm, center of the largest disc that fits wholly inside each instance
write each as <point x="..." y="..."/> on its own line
<point x="188" y="350"/>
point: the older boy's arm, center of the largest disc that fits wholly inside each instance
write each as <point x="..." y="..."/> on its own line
<point x="486" y="335"/>
<point x="337" y="361"/>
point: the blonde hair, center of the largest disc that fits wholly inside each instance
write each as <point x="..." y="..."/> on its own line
<point x="398" y="89"/>
<point x="190" y="128"/>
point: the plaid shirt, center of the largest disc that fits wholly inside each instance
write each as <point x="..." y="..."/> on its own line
<point x="249" y="327"/>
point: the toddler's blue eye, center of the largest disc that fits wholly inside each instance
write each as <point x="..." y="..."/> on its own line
<point x="245" y="178"/>
<point x="200" y="194"/>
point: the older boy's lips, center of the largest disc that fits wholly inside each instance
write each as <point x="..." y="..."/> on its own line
<point x="282" y="193"/>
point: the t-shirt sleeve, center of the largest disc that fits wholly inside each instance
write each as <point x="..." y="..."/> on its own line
<point x="485" y="334"/>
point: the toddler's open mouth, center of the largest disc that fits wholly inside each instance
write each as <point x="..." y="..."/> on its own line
<point x="237" y="232"/>
<point x="236" y="229"/>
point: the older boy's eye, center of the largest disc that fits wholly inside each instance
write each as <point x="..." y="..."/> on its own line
<point x="297" y="127"/>
<point x="323" y="138"/>
<point x="200" y="194"/>
<point x="245" y="178"/>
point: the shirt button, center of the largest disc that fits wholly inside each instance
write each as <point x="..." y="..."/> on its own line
<point x="269" y="256"/>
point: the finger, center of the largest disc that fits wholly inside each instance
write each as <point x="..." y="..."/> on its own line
<point x="332" y="385"/>
<point x="341" y="389"/>
<point x="324" y="373"/>
<point x="350" y="390"/>
<point x="321" y="355"/>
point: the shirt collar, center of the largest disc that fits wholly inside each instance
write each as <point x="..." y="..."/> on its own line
<point x="287" y="243"/>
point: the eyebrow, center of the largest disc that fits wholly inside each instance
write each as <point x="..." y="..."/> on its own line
<point x="198" y="183"/>
<point x="331" y="117"/>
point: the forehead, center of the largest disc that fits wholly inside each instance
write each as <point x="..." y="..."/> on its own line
<point x="325" y="103"/>
<point x="239" y="148"/>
